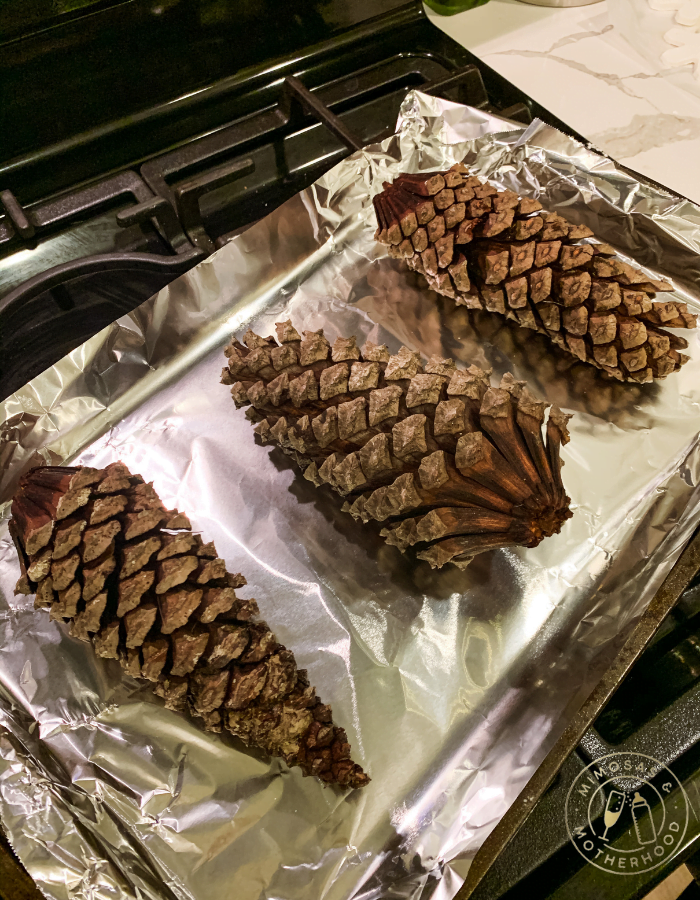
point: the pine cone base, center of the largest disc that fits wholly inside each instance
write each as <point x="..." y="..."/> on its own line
<point x="100" y="551"/>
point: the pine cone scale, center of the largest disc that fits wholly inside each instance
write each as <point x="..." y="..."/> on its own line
<point x="163" y="604"/>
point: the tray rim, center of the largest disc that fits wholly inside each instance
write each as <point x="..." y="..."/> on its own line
<point x="682" y="573"/>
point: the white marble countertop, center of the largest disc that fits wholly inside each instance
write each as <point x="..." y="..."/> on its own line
<point x="574" y="63"/>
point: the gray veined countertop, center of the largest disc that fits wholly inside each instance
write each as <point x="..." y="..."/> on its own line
<point x="575" y="64"/>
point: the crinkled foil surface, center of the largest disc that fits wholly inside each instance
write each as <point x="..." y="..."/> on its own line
<point x="452" y="685"/>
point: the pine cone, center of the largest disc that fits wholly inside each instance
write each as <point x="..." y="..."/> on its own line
<point x="99" y="549"/>
<point x="492" y="250"/>
<point x="454" y="466"/>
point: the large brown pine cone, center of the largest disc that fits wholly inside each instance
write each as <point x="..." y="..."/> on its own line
<point x="99" y="549"/>
<point x="493" y="250"/>
<point x="452" y="465"/>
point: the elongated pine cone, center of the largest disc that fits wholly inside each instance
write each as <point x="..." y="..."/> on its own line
<point x="99" y="550"/>
<point x="493" y="250"/>
<point x="454" y="466"/>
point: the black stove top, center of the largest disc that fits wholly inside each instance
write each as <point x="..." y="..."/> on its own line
<point x="138" y="137"/>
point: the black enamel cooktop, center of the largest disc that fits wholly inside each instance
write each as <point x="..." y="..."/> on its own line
<point x="138" y="137"/>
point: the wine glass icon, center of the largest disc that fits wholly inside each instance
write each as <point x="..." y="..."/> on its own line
<point x="613" y="810"/>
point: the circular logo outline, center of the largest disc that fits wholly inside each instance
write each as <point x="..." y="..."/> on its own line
<point x="616" y="775"/>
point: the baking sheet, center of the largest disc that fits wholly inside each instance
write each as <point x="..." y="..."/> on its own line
<point x="451" y="684"/>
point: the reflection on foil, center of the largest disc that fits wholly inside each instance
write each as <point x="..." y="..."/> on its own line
<point x="452" y="685"/>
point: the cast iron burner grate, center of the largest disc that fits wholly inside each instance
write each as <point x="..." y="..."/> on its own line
<point x="77" y="259"/>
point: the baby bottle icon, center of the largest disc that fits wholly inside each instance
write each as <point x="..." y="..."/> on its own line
<point x="643" y="821"/>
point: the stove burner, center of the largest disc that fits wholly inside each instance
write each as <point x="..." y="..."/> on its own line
<point x="185" y="204"/>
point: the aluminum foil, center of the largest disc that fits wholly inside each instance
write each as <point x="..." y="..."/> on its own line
<point x="452" y="685"/>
